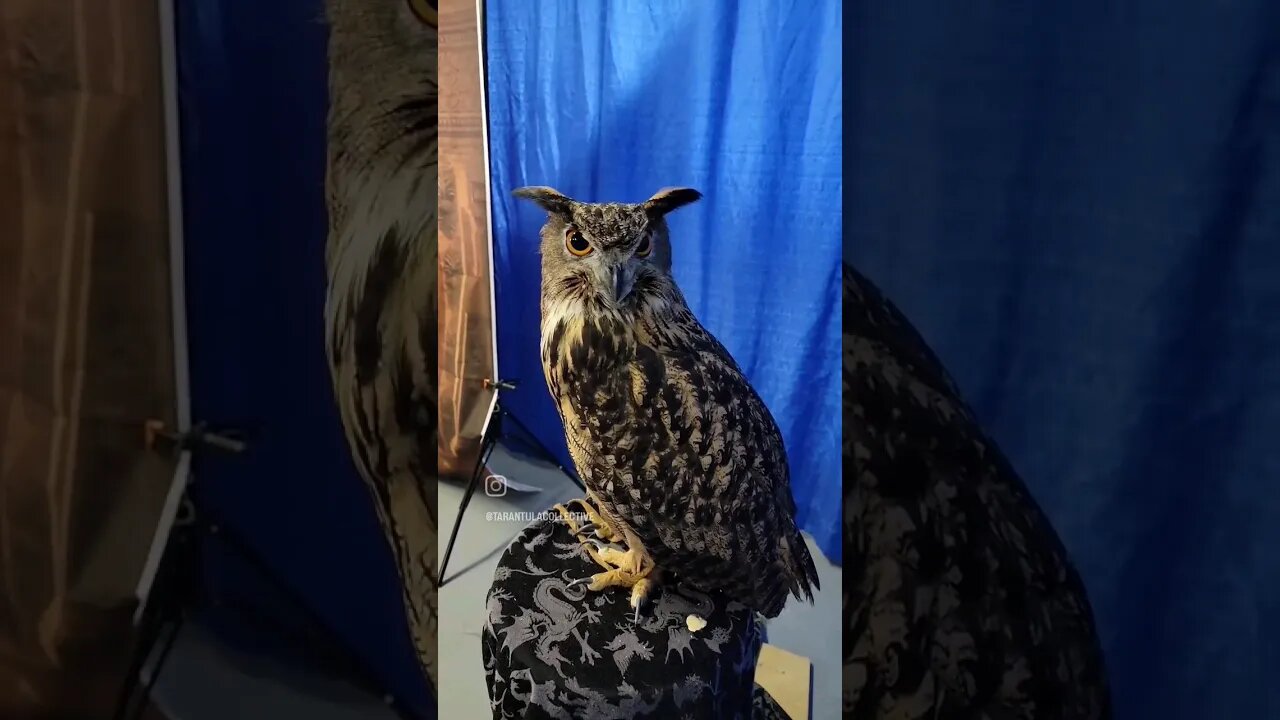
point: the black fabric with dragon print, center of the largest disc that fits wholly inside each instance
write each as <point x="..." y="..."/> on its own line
<point x="551" y="651"/>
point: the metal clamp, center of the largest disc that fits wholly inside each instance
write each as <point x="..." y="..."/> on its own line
<point x="159" y="437"/>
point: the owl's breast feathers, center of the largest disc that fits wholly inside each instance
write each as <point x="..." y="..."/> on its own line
<point x="673" y="440"/>
<point x="959" y="596"/>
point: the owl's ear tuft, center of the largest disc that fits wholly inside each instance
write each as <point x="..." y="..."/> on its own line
<point x="668" y="199"/>
<point x="547" y="198"/>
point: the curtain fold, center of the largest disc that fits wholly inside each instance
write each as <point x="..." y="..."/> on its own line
<point x="86" y="353"/>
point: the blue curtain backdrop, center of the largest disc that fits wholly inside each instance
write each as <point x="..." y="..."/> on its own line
<point x="609" y="101"/>
<point x="253" y="100"/>
<point x="1079" y="205"/>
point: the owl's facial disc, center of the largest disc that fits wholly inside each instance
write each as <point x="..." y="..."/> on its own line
<point x="610" y="268"/>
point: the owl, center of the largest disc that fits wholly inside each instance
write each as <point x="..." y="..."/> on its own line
<point x="380" y="310"/>
<point x="960" y="600"/>
<point x="679" y="455"/>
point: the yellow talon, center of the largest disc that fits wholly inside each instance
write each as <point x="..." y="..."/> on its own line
<point x="627" y="569"/>
<point x="586" y="545"/>
<point x="603" y="529"/>
<point x="639" y="591"/>
<point x="631" y="561"/>
<point x="623" y="569"/>
<point x="568" y="519"/>
<point x="616" y="577"/>
<point x="625" y="572"/>
<point x="616" y="558"/>
<point x="612" y="578"/>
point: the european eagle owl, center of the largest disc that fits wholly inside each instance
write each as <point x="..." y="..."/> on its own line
<point x="380" y="312"/>
<point x="677" y="451"/>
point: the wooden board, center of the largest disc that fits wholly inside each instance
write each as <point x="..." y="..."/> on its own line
<point x="788" y="678"/>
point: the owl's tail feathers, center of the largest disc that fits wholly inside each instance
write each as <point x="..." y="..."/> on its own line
<point x="795" y="575"/>
<point x="804" y="574"/>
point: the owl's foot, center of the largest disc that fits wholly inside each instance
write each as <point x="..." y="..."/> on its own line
<point x="629" y="571"/>
<point x="639" y="592"/>
<point x="602" y="528"/>
<point x="592" y="546"/>
<point x="596" y="522"/>
<point x="629" y="562"/>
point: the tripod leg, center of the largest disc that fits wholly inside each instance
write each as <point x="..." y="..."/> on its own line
<point x="132" y="680"/>
<point x="485" y="451"/>
<point x="145" y="644"/>
<point x="169" y="642"/>
<point x="161" y="605"/>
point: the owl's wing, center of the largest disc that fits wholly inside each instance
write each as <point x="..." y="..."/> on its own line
<point x="700" y="475"/>
<point x="382" y="356"/>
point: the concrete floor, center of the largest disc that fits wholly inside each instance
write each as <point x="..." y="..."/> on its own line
<point x="809" y="630"/>
<point x="203" y="679"/>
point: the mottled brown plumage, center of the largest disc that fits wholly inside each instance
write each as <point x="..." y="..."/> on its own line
<point x="675" y="447"/>
<point x="959" y="598"/>
<point x="380" y="312"/>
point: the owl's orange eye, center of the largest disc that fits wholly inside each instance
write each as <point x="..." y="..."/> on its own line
<point x="645" y="247"/>
<point x="425" y="10"/>
<point x="576" y="244"/>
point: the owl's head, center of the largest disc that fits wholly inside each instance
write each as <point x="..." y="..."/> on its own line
<point x="607" y="256"/>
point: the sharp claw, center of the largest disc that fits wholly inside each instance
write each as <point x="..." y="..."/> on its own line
<point x="636" y="619"/>
<point x="579" y="581"/>
<point x="602" y="546"/>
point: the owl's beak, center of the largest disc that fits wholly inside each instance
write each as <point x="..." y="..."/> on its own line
<point x="623" y="280"/>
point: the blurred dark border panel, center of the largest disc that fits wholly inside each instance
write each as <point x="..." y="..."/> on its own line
<point x="1078" y="205"/>
<point x="86" y="352"/>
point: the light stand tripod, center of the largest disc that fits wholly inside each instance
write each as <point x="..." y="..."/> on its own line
<point x="176" y="593"/>
<point x="494" y="431"/>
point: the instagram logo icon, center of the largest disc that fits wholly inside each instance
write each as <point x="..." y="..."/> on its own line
<point x="495" y="486"/>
